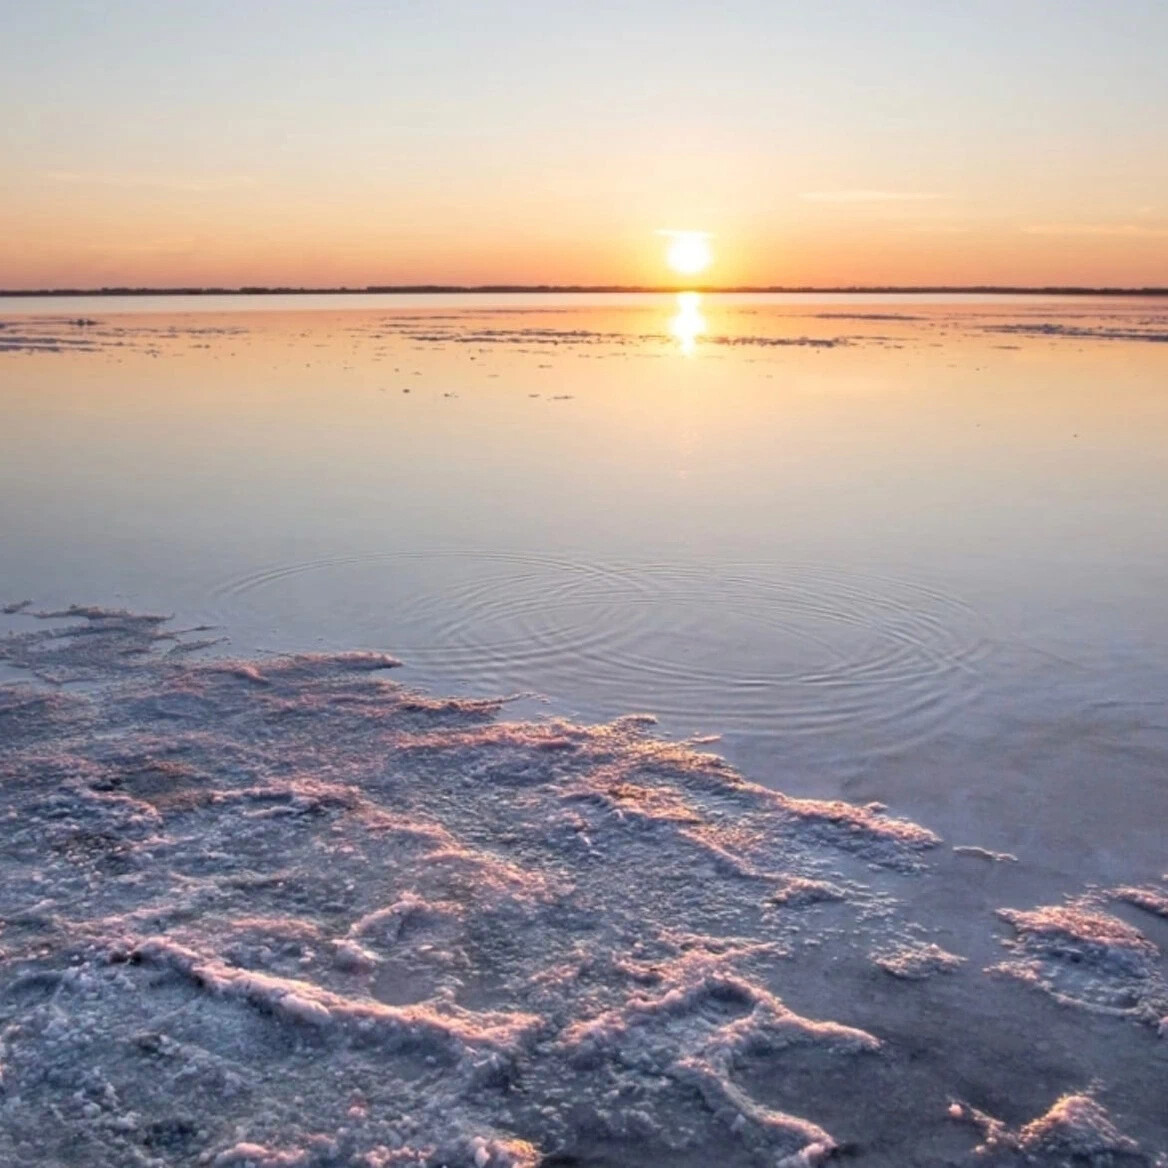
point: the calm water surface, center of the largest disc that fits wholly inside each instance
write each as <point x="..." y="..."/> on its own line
<point x="910" y="549"/>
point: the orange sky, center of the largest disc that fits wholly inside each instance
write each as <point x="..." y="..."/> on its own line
<point x="192" y="145"/>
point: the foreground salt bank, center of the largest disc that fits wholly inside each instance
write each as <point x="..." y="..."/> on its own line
<point x="287" y="912"/>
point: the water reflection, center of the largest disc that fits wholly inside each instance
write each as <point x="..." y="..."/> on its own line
<point x="688" y="323"/>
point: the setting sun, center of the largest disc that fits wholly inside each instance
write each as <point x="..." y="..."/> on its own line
<point x="689" y="252"/>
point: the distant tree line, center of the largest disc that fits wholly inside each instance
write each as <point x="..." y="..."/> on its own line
<point x="433" y="289"/>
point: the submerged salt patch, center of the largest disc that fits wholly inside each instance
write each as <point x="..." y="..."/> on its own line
<point x="916" y="962"/>
<point x="1153" y="900"/>
<point x="801" y="891"/>
<point x="1085" y="957"/>
<point x="981" y="853"/>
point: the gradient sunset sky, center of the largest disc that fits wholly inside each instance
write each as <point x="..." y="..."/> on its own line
<point x="174" y="142"/>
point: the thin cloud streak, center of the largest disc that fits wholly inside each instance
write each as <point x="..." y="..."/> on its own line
<point x="225" y="182"/>
<point x="864" y="196"/>
<point x="176" y="247"/>
<point x="1133" y="230"/>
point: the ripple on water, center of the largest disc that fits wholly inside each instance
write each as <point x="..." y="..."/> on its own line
<point x="735" y="647"/>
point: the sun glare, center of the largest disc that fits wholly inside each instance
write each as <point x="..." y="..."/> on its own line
<point x="689" y="252"/>
<point x="688" y="323"/>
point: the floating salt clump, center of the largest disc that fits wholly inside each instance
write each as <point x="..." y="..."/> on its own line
<point x="917" y="962"/>
<point x="985" y="854"/>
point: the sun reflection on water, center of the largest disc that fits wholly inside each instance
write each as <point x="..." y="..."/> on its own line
<point x="688" y="323"/>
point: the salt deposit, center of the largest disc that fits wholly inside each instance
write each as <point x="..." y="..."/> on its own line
<point x="914" y="962"/>
<point x="1153" y="900"/>
<point x="1085" y="957"/>
<point x="1076" y="1130"/>
<point x="286" y="912"/>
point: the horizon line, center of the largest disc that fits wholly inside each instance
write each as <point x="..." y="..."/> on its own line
<point x="487" y="289"/>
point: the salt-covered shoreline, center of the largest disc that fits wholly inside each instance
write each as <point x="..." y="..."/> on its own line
<point x="287" y="912"/>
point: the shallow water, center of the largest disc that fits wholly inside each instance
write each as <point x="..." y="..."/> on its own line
<point x="908" y="546"/>
<point x="898" y="549"/>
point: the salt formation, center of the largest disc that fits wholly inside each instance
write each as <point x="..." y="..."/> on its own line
<point x="287" y="913"/>
<point x="1076" y="1130"/>
<point x="915" y="962"/>
<point x="980" y="853"/>
<point x="1153" y="900"/>
<point x="1085" y="957"/>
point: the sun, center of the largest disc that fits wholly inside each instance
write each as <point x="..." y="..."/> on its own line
<point x="689" y="252"/>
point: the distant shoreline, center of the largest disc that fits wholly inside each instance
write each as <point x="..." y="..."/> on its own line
<point x="497" y="289"/>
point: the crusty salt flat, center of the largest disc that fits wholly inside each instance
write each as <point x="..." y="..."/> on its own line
<point x="287" y="912"/>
